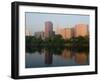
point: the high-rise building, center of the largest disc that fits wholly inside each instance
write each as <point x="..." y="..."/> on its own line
<point x="28" y="32"/>
<point x="81" y="30"/>
<point x="39" y="34"/>
<point x="66" y="33"/>
<point x="48" y="29"/>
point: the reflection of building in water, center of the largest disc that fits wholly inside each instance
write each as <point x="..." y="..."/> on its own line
<point x="48" y="57"/>
<point x="66" y="54"/>
<point x="80" y="58"/>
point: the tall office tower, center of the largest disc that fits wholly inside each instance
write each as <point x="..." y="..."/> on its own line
<point x="81" y="30"/>
<point x="66" y="33"/>
<point x="48" y="29"/>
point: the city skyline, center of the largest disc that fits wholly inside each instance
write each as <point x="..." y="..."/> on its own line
<point x="49" y="31"/>
<point x="66" y="33"/>
<point x="35" y="21"/>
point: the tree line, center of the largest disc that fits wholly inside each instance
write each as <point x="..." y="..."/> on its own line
<point x="57" y="40"/>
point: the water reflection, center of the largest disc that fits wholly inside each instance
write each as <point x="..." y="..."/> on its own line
<point x="49" y="57"/>
<point x="66" y="54"/>
<point x="80" y="58"/>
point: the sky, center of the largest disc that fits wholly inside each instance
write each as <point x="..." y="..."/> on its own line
<point x="35" y="21"/>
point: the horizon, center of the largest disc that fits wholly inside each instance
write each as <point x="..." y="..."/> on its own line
<point x="35" y="22"/>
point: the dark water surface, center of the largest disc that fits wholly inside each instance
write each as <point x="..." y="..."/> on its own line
<point x="53" y="57"/>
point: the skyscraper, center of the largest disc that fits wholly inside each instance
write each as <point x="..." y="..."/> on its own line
<point x="81" y="30"/>
<point x="48" y="29"/>
<point x="66" y="33"/>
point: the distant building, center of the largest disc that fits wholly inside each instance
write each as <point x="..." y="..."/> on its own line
<point x="39" y="34"/>
<point x="28" y="32"/>
<point x="66" y="33"/>
<point x="49" y="29"/>
<point x="81" y="30"/>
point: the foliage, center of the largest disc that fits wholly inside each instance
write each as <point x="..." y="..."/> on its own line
<point x="57" y="40"/>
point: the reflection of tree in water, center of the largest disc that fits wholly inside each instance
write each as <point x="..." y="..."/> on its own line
<point x="80" y="49"/>
<point x="79" y="54"/>
<point x="57" y="50"/>
<point x="32" y="50"/>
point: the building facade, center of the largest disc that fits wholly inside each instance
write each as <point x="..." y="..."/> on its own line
<point x="66" y="33"/>
<point x="39" y="34"/>
<point x="28" y="32"/>
<point x="49" y="29"/>
<point x="81" y="30"/>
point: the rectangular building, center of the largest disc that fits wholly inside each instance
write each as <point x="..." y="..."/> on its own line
<point x="39" y="34"/>
<point x="81" y="30"/>
<point x="66" y="33"/>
